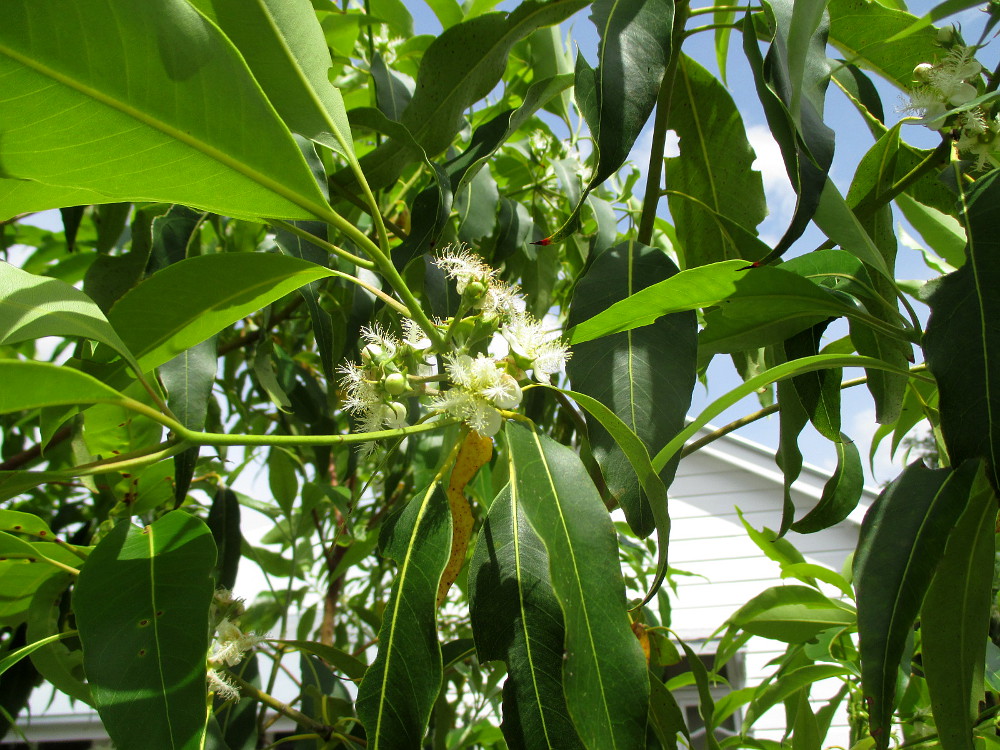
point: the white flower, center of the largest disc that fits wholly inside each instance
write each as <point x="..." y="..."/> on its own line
<point x="219" y="684"/>
<point x="382" y="345"/>
<point x="414" y="336"/>
<point x="473" y="409"/>
<point x="944" y="85"/>
<point x="979" y="136"/>
<point x="529" y="343"/>
<point x="464" y="266"/>
<point x="502" y="300"/>
<point x="231" y="644"/>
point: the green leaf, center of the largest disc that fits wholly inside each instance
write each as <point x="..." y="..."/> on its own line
<point x="35" y="306"/>
<point x="604" y="671"/>
<point x="645" y="377"/>
<point x="944" y="233"/>
<point x="21" y="577"/>
<point x="398" y="691"/>
<point x="460" y="67"/>
<point x="349" y="665"/>
<point x="766" y="306"/>
<point x="15" y="656"/>
<point x="218" y="291"/>
<point x="902" y="539"/>
<point x="284" y="47"/>
<point x="841" y="493"/>
<point x="706" y="119"/>
<point x="772" y="375"/>
<point x="224" y="522"/>
<point x="32" y="385"/>
<point x="868" y="35"/>
<point x="963" y="334"/>
<point x="55" y="662"/>
<point x="188" y="378"/>
<point x="706" y="703"/>
<point x="633" y="52"/>
<point x="793" y="614"/>
<point x="516" y="618"/>
<point x="771" y="694"/>
<point x="665" y="716"/>
<point x="142" y="603"/>
<point x="162" y="140"/>
<point x="955" y="619"/>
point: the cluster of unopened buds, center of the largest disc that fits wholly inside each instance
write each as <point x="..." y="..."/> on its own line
<point x="942" y="96"/>
<point x="230" y="644"/>
<point x="491" y="342"/>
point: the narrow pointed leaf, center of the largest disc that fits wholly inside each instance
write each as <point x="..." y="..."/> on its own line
<point x="706" y="120"/>
<point x="793" y="614"/>
<point x="955" y="620"/>
<point x="841" y="493"/>
<point x="142" y="603"/>
<point x="963" y="336"/>
<point x="516" y="618"/>
<point x="398" y="691"/>
<point x="645" y="376"/>
<point x="902" y="539"/>
<point x="162" y="140"/>
<point x="188" y="378"/>
<point x="604" y="671"/>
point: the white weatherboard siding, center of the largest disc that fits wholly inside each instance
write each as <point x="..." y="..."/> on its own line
<point x="708" y="540"/>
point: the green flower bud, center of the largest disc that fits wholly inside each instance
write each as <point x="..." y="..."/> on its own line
<point x="395" y="384"/>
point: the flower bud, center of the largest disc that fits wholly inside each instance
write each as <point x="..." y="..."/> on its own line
<point x="922" y="73"/>
<point x="474" y="291"/>
<point x="395" y="383"/>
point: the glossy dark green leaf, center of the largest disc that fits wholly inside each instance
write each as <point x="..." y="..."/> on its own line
<point x="322" y="321"/>
<point x="142" y="603"/>
<point x="955" y="619"/>
<point x="516" y="618"/>
<point x="224" y="523"/>
<point x="393" y="90"/>
<point x="796" y="122"/>
<point x="963" y="334"/>
<point x="793" y="614"/>
<point x="284" y="46"/>
<point x="477" y="207"/>
<point x="768" y="305"/>
<point x="604" y="671"/>
<point x="632" y="55"/>
<point x="645" y="376"/>
<point x="218" y="290"/>
<point x="665" y="716"/>
<point x="706" y="702"/>
<point x="341" y="660"/>
<point x="902" y="539"/>
<point x="398" y="691"/>
<point x="706" y="120"/>
<point x="792" y="419"/>
<point x="163" y="140"/>
<point x="818" y="392"/>
<point x="863" y="32"/>
<point x="841" y="493"/>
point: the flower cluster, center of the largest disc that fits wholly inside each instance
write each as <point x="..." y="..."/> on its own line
<point x="231" y="643"/>
<point x="942" y="96"/>
<point x="489" y="345"/>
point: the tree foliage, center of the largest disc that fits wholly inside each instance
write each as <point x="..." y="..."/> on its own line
<point x="410" y="275"/>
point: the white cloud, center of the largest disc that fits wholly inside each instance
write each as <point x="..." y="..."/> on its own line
<point x="777" y="188"/>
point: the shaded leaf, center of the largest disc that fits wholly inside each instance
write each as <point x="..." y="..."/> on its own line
<point x="141" y="603"/>
<point x="516" y="618"/>
<point x="706" y="120"/>
<point x="963" y="333"/>
<point x="645" y="376"/>
<point x="604" y="671"/>
<point x="841" y="493"/>
<point x="398" y="691"/>
<point x="902" y="539"/>
<point x="955" y="619"/>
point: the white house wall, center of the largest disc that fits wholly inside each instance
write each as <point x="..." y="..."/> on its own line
<point x="708" y="540"/>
